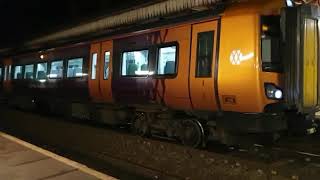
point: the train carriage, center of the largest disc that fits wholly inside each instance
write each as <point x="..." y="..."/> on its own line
<point x="251" y="68"/>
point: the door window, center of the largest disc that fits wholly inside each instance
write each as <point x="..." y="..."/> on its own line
<point x="94" y="66"/>
<point x="106" y="65"/>
<point x="204" y="54"/>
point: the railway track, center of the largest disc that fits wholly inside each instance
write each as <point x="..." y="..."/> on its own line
<point x="166" y="159"/>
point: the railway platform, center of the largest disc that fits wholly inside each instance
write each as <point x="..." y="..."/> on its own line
<point x="20" y="160"/>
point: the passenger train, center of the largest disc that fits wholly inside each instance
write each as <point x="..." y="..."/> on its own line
<point x="251" y="68"/>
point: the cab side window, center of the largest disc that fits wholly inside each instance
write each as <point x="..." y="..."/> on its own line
<point x="204" y="54"/>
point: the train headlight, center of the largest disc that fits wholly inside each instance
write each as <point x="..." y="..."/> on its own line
<point x="273" y="92"/>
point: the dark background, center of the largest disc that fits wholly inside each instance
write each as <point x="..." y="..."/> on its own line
<point x="23" y="20"/>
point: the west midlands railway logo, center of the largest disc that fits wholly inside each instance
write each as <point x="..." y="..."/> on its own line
<point x="236" y="57"/>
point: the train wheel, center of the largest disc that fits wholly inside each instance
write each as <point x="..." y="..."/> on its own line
<point x="140" y="124"/>
<point x="192" y="133"/>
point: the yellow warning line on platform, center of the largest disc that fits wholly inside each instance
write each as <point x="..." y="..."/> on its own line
<point x="64" y="160"/>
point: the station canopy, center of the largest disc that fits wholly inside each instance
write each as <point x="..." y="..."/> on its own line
<point x="132" y="16"/>
<point x="150" y="12"/>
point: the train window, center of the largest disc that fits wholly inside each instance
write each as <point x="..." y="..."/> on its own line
<point x="5" y="73"/>
<point x="94" y="66"/>
<point x="41" y="71"/>
<point x="106" y="65"/>
<point x="56" y="70"/>
<point x="17" y="72"/>
<point x="271" y="43"/>
<point x="204" y="54"/>
<point x="75" y="68"/>
<point x="28" y="71"/>
<point x="9" y="72"/>
<point x="167" y="60"/>
<point x="135" y="63"/>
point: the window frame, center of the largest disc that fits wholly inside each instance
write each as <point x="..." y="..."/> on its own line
<point x="67" y="67"/>
<point x="33" y="73"/>
<point x="132" y="50"/>
<point x="14" y="72"/>
<point x="91" y="67"/>
<point x="212" y="55"/>
<point x="10" y="74"/>
<point x="1" y="74"/>
<point x="164" y="45"/>
<point x="5" y="75"/>
<point x="272" y="66"/>
<point x="104" y="64"/>
<point x="36" y="69"/>
<point x="63" y="69"/>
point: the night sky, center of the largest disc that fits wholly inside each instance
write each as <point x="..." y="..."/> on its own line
<point x="23" y="20"/>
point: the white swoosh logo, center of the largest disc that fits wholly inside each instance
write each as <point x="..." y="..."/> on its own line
<point x="236" y="57"/>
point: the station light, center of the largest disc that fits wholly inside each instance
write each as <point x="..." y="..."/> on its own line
<point x="273" y="92"/>
<point x="289" y="3"/>
<point x="41" y="56"/>
<point x="265" y="28"/>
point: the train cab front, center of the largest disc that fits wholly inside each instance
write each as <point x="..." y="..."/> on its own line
<point x="290" y="48"/>
<point x="274" y="87"/>
<point x="300" y="47"/>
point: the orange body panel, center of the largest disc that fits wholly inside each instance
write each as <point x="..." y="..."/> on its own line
<point x="240" y="72"/>
<point x="94" y="89"/>
<point x="100" y="88"/>
<point x="175" y="90"/>
<point x="240" y="78"/>
<point x="7" y="63"/>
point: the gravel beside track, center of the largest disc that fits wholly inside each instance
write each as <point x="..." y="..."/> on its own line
<point x="148" y="157"/>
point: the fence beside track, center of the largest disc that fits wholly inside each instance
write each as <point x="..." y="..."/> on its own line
<point x="164" y="160"/>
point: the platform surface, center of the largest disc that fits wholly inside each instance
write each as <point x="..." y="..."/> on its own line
<point x="20" y="160"/>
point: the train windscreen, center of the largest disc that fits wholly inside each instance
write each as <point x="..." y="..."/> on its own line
<point x="270" y="44"/>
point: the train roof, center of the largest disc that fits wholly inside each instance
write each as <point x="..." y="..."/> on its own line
<point x="151" y="13"/>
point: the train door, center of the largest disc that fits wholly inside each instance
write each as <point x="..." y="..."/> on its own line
<point x="7" y="64"/>
<point x="106" y="71"/>
<point x="203" y="90"/>
<point x="94" y="79"/>
<point x="1" y="77"/>
<point x="301" y="27"/>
